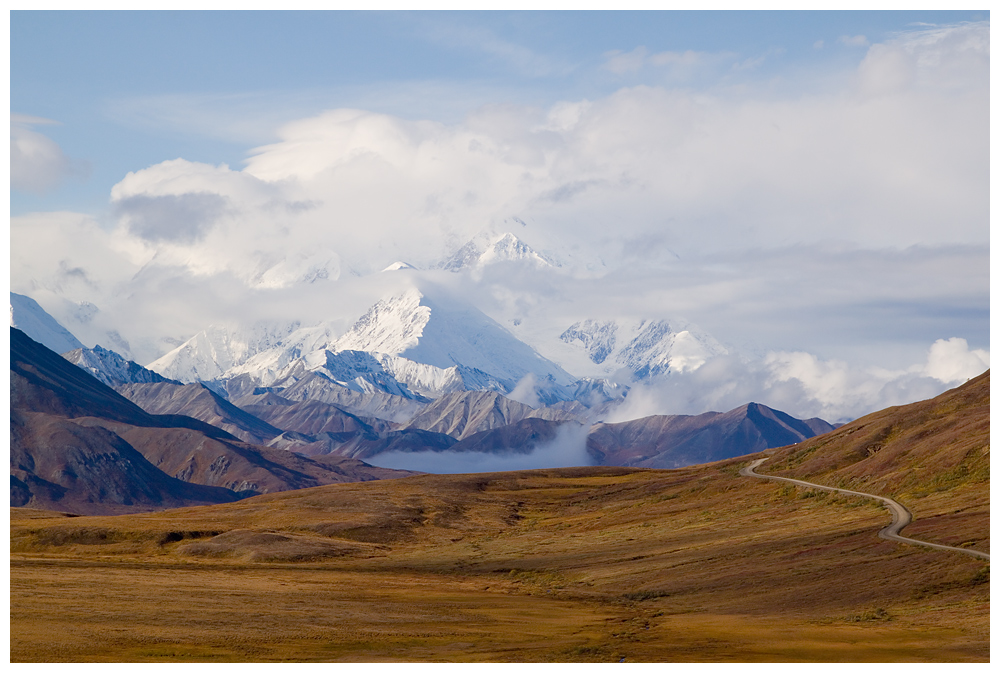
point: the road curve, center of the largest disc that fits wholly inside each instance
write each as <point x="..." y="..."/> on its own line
<point x="901" y="516"/>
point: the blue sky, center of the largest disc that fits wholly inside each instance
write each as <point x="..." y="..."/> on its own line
<point x="810" y="188"/>
<point x="129" y="89"/>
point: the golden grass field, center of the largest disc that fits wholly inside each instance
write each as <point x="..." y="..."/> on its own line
<point x="578" y="564"/>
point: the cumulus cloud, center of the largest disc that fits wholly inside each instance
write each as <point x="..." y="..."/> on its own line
<point x="951" y="361"/>
<point x="172" y="217"/>
<point x="725" y="172"/>
<point x="937" y="57"/>
<point x="780" y="215"/>
<point x="37" y="163"/>
<point x="804" y="385"/>
<point x="568" y="449"/>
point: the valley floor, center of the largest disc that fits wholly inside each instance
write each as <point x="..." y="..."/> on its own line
<point x="583" y="564"/>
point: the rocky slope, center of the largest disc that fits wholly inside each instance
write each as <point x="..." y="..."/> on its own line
<point x="461" y="415"/>
<point x="198" y="401"/>
<point x="78" y="446"/>
<point x="112" y="369"/>
<point x="676" y="441"/>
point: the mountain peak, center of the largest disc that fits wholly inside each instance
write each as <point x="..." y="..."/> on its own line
<point x="219" y="348"/>
<point x="445" y="333"/>
<point x="647" y="348"/>
<point x="398" y="266"/>
<point x="112" y="369"/>
<point x="489" y="247"/>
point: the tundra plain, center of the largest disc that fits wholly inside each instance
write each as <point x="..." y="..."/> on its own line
<point x="600" y="564"/>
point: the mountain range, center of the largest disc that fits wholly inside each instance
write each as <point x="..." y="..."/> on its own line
<point x="156" y="440"/>
<point x="78" y="446"/>
<point x="418" y="342"/>
<point x="420" y="372"/>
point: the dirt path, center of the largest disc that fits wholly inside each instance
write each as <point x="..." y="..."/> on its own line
<point x="901" y="516"/>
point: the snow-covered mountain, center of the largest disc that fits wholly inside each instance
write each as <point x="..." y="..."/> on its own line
<point x="112" y="369"/>
<point x="489" y="247"/>
<point x="209" y="354"/>
<point x="444" y="333"/>
<point x="302" y="268"/>
<point x="646" y="348"/>
<point x="399" y="266"/>
<point x="280" y="358"/>
<point x="407" y="345"/>
<point x="366" y="372"/>
<point x="27" y="316"/>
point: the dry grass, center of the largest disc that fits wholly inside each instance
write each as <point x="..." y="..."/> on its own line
<point x="587" y="564"/>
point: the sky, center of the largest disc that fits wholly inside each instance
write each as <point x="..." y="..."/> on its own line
<point x="810" y="188"/>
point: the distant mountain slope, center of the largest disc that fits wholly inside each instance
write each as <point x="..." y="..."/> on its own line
<point x="75" y="444"/>
<point x="360" y="371"/>
<point x="522" y="436"/>
<point x="315" y="386"/>
<point x="648" y="348"/>
<point x="197" y="401"/>
<point x="461" y="415"/>
<point x="365" y="445"/>
<point x="312" y="417"/>
<point x="914" y="448"/>
<point x="42" y="381"/>
<point x="59" y="464"/>
<point x="218" y="348"/>
<point x="27" y="316"/>
<point x="444" y="333"/>
<point x="676" y="441"/>
<point x="112" y="369"/>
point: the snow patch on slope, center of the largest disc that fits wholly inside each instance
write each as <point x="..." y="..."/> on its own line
<point x="213" y="351"/>
<point x="646" y="348"/>
<point x="112" y="369"/>
<point x="444" y="334"/>
<point x="27" y="316"/>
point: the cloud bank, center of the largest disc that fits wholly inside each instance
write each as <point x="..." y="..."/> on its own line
<point x="805" y="386"/>
<point x="568" y="449"/>
<point x="826" y="229"/>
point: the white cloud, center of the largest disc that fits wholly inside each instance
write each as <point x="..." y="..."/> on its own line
<point x="951" y="361"/>
<point x="526" y="391"/>
<point x="936" y="58"/>
<point x="620" y="62"/>
<point x="568" y="449"/>
<point x="742" y="204"/>
<point x="726" y="172"/>
<point x="804" y="385"/>
<point x="37" y="163"/>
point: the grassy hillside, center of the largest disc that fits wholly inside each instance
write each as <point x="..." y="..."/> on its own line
<point x="583" y="564"/>
<point x="932" y="456"/>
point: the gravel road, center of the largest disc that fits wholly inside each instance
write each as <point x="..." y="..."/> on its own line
<point x="901" y="516"/>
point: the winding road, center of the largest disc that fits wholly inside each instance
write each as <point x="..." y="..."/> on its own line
<point x="901" y="516"/>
